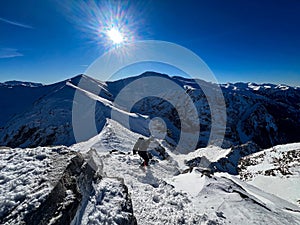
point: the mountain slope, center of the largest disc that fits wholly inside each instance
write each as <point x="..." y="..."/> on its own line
<point x="105" y="178"/>
<point x="49" y="120"/>
<point x="17" y="98"/>
<point x="276" y="170"/>
<point x="264" y="114"/>
<point x="165" y="194"/>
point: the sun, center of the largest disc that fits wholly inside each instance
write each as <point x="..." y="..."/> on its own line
<point x="115" y="36"/>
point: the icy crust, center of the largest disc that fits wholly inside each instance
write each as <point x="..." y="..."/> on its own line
<point x="235" y="202"/>
<point x="275" y="170"/>
<point x="27" y="177"/>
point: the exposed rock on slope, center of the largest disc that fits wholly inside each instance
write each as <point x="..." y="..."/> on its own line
<point x="275" y="170"/>
<point x="229" y="163"/>
<point x="57" y="186"/>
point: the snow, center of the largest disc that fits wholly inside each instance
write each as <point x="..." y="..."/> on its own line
<point x="27" y="177"/>
<point x="276" y="170"/>
<point x="17" y="98"/>
<point x="105" y="206"/>
<point x="270" y="200"/>
<point x="45" y="111"/>
<point x="212" y="153"/>
<point x="191" y="183"/>
<point x="14" y="83"/>
<point x="285" y="188"/>
<point x="111" y="137"/>
<point x="282" y="87"/>
<point x="160" y="194"/>
<point x="90" y="94"/>
<point x="254" y="87"/>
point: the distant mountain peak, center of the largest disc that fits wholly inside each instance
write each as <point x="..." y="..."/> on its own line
<point x="22" y="83"/>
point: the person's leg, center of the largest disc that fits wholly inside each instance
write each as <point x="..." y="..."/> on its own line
<point x="144" y="155"/>
<point x="147" y="162"/>
<point x="146" y="158"/>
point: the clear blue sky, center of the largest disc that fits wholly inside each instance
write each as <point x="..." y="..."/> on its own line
<point x="258" y="41"/>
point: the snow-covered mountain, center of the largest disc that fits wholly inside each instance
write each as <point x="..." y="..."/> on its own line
<point x="100" y="182"/>
<point x="13" y="83"/>
<point x="17" y="96"/>
<point x="42" y="115"/>
<point x="46" y="117"/>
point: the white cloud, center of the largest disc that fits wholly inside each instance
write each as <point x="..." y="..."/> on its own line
<point x="9" y="53"/>
<point x="16" y="23"/>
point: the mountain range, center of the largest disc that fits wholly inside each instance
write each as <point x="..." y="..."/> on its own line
<point x="39" y="115"/>
<point x="51" y="174"/>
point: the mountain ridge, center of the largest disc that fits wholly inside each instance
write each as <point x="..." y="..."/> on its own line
<point x="266" y="116"/>
<point x="99" y="181"/>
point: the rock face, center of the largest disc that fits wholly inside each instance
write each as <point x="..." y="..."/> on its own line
<point x="281" y="161"/>
<point x="110" y="204"/>
<point x="55" y="186"/>
<point x="230" y="162"/>
<point x="65" y="198"/>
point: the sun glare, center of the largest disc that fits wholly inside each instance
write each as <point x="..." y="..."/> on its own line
<point x="115" y="36"/>
<point x="109" y="24"/>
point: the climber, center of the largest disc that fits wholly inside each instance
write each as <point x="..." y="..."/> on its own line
<point x="140" y="147"/>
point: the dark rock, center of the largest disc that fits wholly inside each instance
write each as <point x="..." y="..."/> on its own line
<point x="230" y="162"/>
<point x="54" y="206"/>
<point x="73" y="182"/>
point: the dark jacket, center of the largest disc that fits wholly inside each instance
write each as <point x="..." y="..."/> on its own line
<point x="141" y="145"/>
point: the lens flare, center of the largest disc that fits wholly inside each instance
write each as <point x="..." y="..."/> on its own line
<point x="107" y="23"/>
<point x="115" y="35"/>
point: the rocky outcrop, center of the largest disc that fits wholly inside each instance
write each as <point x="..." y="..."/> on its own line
<point x="64" y="200"/>
<point x="60" y="188"/>
<point x="278" y="161"/>
<point x="230" y="162"/>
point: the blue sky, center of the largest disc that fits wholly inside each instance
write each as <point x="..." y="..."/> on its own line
<point x="257" y="41"/>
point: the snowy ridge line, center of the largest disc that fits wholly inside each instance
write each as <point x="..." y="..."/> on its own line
<point x="91" y="95"/>
<point x="162" y="195"/>
<point x="44" y="113"/>
<point x="104" y="101"/>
